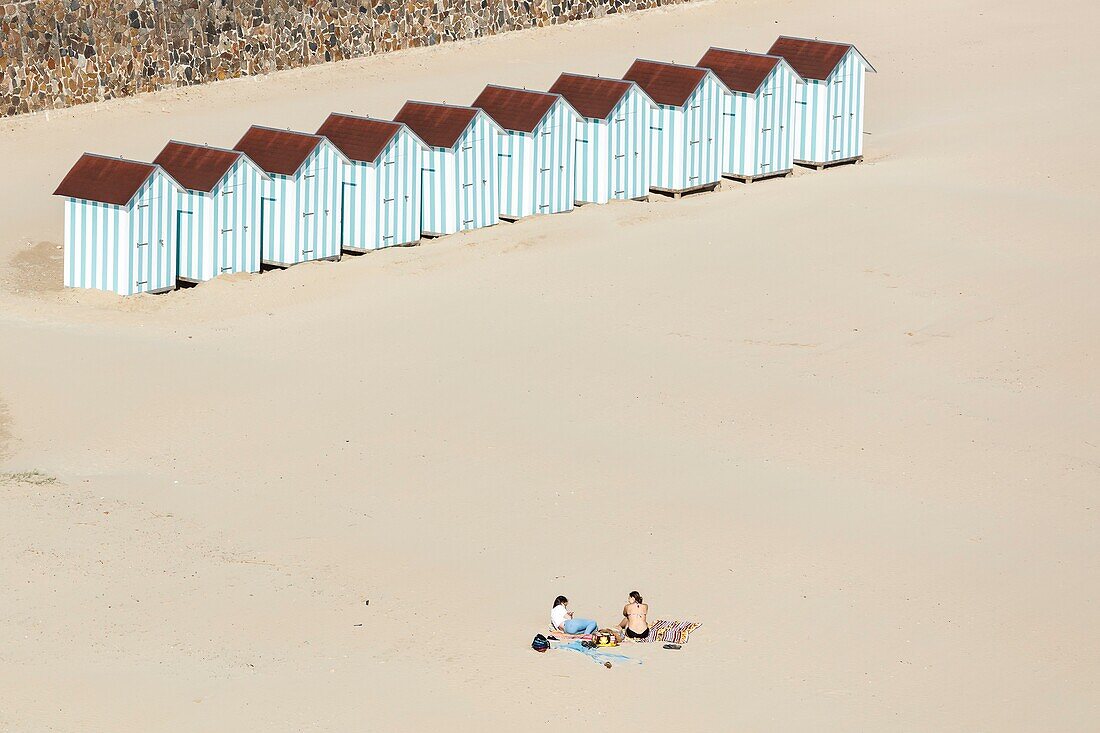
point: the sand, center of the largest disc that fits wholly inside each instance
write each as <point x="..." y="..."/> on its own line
<point x="848" y="420"/>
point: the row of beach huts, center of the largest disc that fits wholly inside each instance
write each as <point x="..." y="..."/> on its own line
<point x="280" y="197"/>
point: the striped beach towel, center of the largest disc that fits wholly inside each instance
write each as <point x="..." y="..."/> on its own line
<point x="670" y="632"/>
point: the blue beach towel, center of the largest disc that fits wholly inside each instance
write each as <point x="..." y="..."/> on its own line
<point x="598" y="656"/>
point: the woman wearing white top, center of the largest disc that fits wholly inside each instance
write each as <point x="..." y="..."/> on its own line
<point x="561" y="619"/>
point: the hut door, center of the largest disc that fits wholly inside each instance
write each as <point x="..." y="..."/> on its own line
<point x="618" y="148"/>
<point x="468" y="212"/>
<point x="267" y="228"/>
<point x="346" y="234"/>
<point x="427" y="198"/>
<point x="183" y="243"/>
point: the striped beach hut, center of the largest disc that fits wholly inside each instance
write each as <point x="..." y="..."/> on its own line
<point x="758" y="106"/>
<point x="300" y="209"/>
<point x="120" y="226"/>
<point x="536" y="153"/>
<point x="218" y="218"/>
<point x="685" y="128"/>
<point x="459" y="186"/>
<point x="380" y="197"/>
<point x="611" y="149"/>
<point x="829" y="109"/>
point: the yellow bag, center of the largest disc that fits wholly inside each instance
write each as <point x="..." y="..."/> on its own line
<point x="606" y="637"/>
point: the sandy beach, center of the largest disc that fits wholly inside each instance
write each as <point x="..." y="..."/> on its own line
<point x="849" y="420"/>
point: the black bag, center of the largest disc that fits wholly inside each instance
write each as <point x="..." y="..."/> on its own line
<point x="540" y="643"/>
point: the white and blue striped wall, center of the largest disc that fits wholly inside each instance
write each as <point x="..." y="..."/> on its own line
<point x="218" y="232"/>
<point x="829" y="113"/>
<point x="381" y="200"/>
<point x="536" y="168"/>
<point x="300" y="214"/>
<point x="759" y="133"/>
<point x="460" y="185"/>
<point x="686" y="142"/>
<point x="124" y="249"/>
<point x="612" y="154"/>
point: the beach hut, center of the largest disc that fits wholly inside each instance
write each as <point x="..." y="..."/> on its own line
<point x="381" y="194"/>
<point x="120" y="226"/>
<point x="685" y="128"/>
<point x="459" y="187"/>
<point x="218" y="218"/>
<point x="758" y="107"/>
<point x="300" y="212"/>
<point x="611" y="149"/>
<point x="828" y="116"/>
<point x="536" y="152"/>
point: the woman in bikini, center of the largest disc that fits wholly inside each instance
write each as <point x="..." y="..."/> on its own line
<point x="634" y="617"/>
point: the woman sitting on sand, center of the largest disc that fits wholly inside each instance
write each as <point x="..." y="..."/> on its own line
<point x="561" y="619"/>
<point x="634" y="617"/>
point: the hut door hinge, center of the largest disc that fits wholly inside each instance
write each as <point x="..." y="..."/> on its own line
<point x="142" y="244"/>
<point x="765" y="165"/>
<point x="306" y="251"/>
<point x="620" y="192"/>
<point x="622" y="155"/>
<point x="766" y="94"/>
<point x="228" y="191"/>
<point x="504" y="155"/>
<point x="765" y="129"/>
<point x="308" y="213"/>
<point x="467" y="185"/>
<point x="467" y="221"/>
<point x="802" y="103"/>
<point x="386" y="201"/>
<point x="227" y="269"/>
<point x="226" y="231"/>
<point x="544" y="170"/>
<point x="386" y="162"/>
<point x="729" y="114"/>
<point x="309" y="175"/>
<point x="142" y="282"/>
<point x="837" y="117"/>
<point x="467" y="147"/>
<point x="143" y="206"/>
<point x="388" y="236"/>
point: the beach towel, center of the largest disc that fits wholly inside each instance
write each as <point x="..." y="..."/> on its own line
<point x="670" y="632"/>
<point x="598" y="655"/>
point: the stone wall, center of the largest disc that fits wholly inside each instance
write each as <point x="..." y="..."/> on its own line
<point x="59" y="53"/>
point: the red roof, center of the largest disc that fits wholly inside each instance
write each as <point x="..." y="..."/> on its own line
<point x="669" y="84"/>
<point x="439" y="125"/>
<point x="196" y="167"/>
<point x="108" y="180"/>
<point x="359" y="138"/>
<point x="811" y="59"/>
<point x="277" y="151"/>
<point x="739" y="70"/>
<point x="515" y="109"/>
<point x="592" y="96"/>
